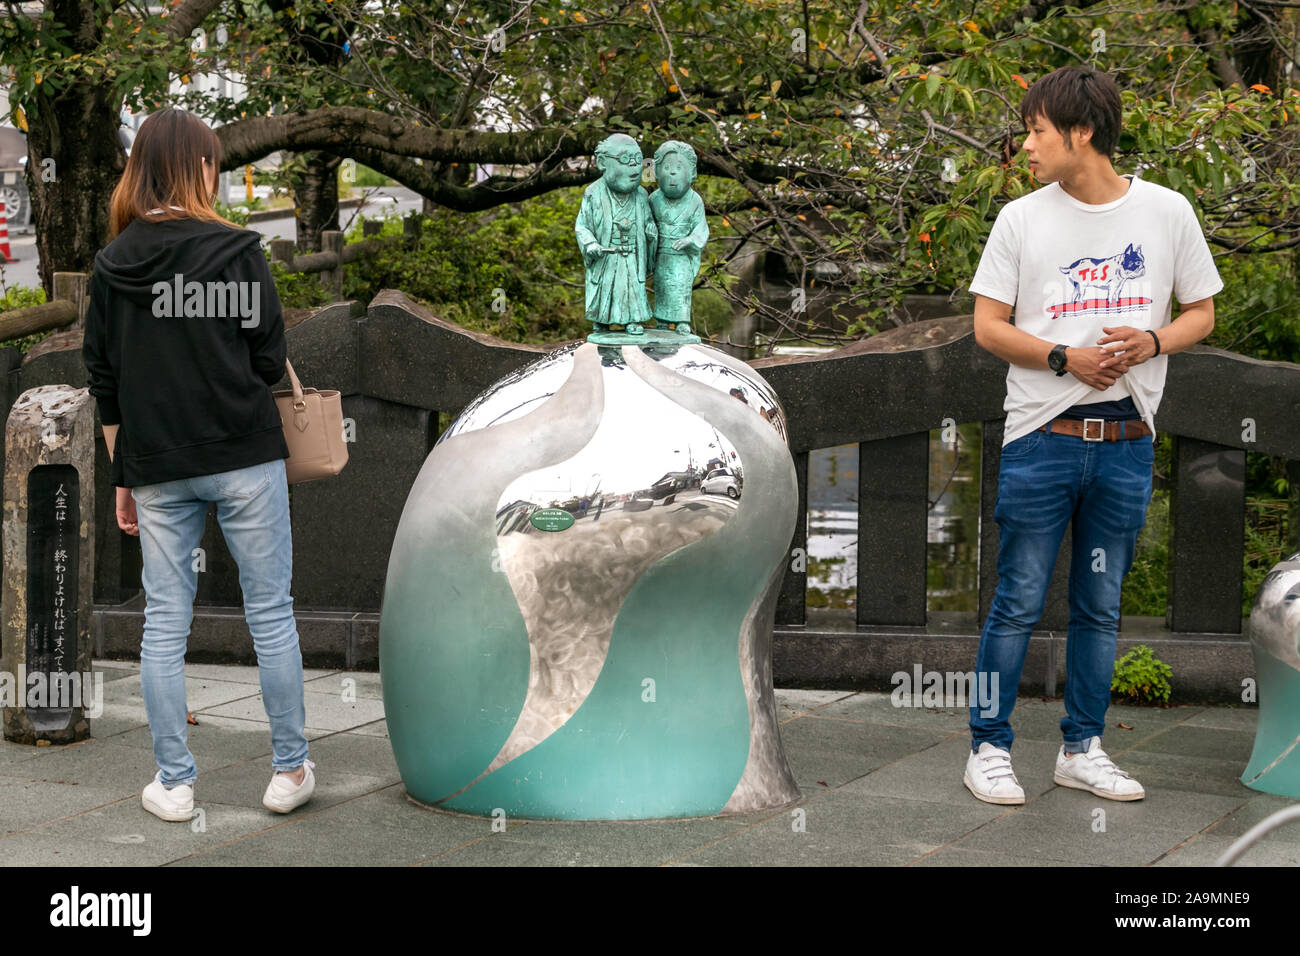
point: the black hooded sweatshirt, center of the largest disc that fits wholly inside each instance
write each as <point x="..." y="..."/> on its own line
<point x="186" y="376"/>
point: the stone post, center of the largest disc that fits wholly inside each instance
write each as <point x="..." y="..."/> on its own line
<point x="47" y="689"/>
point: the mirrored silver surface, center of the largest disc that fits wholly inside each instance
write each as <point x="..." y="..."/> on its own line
<point x="1275" y="615"/>
<point x="527" y="388"/>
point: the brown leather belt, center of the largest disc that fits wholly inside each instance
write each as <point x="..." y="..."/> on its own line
<point x="1097" y="429"/>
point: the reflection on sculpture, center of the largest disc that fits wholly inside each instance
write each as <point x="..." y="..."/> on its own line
<point x="615" y="664"/>
<point x="617" y="235"/>
<point x="1275" y="641"/>
<point x="683" y="231"/>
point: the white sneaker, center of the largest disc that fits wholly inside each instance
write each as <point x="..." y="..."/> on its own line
<point x="283" y="795"/>
<point x="1095" y="772"/>
<point x="176" y="804"/>
<point x="990" y="778"/>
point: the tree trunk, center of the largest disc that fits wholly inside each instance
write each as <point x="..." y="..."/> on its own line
<point x="70" y="195"/>
<point x="316" y="199"/>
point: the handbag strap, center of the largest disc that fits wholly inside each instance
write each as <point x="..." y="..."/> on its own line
<point x="297" y="386"/>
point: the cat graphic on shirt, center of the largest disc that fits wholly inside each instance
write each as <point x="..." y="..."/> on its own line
<point x="1107" y="275"/>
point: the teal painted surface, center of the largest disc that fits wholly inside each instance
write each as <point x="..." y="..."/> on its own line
<point x="454" y="672"/>
<point x="1278" y="730"/>
<point x="622" y="757"/>
<point x="454" y="651"/>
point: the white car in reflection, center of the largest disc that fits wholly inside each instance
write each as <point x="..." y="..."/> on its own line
<point x="721" y="482"/>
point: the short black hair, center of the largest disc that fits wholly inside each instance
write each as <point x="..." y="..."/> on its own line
<point x="1074" y="97"/>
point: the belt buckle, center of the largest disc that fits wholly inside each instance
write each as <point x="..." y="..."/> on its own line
<point x="1101" y="422"/>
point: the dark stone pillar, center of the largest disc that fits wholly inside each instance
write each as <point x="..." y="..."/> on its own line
<point x="1207" y="515"/>
<point x="791" y="603"/>
<point x="893" y="505"/>
<point x="343" y="526"/>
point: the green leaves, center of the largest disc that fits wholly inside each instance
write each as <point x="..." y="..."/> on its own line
<point x="1141" y="677"/>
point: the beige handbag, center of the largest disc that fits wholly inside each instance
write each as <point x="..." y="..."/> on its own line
<point x="313" y="430"/>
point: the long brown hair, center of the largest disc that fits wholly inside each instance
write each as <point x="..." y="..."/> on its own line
<point x="165" y="169"/>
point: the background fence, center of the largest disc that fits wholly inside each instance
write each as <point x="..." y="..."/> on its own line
<point x="398" y="367"/>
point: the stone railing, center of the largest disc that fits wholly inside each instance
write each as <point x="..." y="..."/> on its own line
<point x="398" y="367"/>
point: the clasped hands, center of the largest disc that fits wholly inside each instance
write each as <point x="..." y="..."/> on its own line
<point x="1101" y="367"/>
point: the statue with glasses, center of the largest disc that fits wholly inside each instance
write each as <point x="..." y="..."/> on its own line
<point x="618" y="238"/>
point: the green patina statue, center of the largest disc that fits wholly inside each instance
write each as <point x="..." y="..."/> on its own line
<point x="683" y="231"/>
<point x="619" y="232"/>
<point x="617" y="235"/>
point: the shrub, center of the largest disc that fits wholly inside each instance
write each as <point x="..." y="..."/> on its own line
<point x="1141" y="677"/>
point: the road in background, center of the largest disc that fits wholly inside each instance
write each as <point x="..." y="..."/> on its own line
<point x="381" y="202"/>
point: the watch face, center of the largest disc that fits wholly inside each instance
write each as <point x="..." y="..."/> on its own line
<point x="1056" y="359"/>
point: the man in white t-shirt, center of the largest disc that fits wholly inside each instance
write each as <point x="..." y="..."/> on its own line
<point x="1089" y="261"/>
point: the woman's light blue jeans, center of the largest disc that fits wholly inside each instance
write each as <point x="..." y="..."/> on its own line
<point x="253" y="512"/>
<point x="1048" y="482"/>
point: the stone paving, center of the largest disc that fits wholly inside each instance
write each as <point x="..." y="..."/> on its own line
<point x="882" y="787"/>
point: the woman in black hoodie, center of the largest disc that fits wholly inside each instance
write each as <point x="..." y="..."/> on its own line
<point x="184" y="337"/>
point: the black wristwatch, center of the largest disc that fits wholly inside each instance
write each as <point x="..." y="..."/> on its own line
<point x="1056" y="360"/>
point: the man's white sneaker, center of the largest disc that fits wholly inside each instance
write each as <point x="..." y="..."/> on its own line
<point x="990" y="778"/>
<point x="176" y="804"/>
<point x="283" y="795"/>
<point x="1095" y="772"/>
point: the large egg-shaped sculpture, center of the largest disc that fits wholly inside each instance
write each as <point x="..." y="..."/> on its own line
<point x="1274" y="630"/>
<point x="578" y="611"/>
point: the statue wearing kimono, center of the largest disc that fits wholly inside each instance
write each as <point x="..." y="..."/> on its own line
<point x="617" y="234"/>
<point x="683" y="231"/>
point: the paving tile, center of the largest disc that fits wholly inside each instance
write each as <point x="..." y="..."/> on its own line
<point x="250" y="725"/>
<point x="382" y="828"/>
<point x="115" y="670"/>
<point x="1206" y="851"/>
<point x="125" y="834"/>
<point x="880" y="708"/>
<point x="214" y="741"/>
<point x="956" y="856"/>
<point x="618" y="843"/>
<point x="11" y="753"/>
<point x="1202" y="742"/>
<point x="935" y="774"/>
<point x="793" y="703"/>
<point x="90" y="763"/>
<point x="200" y="692"/>
<point x="1065" y="825"/>
<point x="29" y="803"/>
<point x="363" y="684"/>
<point x="499" y="850"/>
<point x="1144" y="721"/>
<point x="378" y="728"/>
<point x="842" y="830"/>
<point x="243" y="784"/>
<point x="324" y="711"/>
<point x="119" y="721"/>
<point x="828" y="752"/>
<point x="1245" y="719"/>
<point x="355" y="753"/>
<point x="1162" y="771"/>
<point x="1258" y="807"/>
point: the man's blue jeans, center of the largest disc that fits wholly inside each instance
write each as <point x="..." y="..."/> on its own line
<point x="253" y="511"/>
<point x="1046" y="482"/>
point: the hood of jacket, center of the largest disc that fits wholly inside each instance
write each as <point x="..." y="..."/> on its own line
<point x="145" y="253"/>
